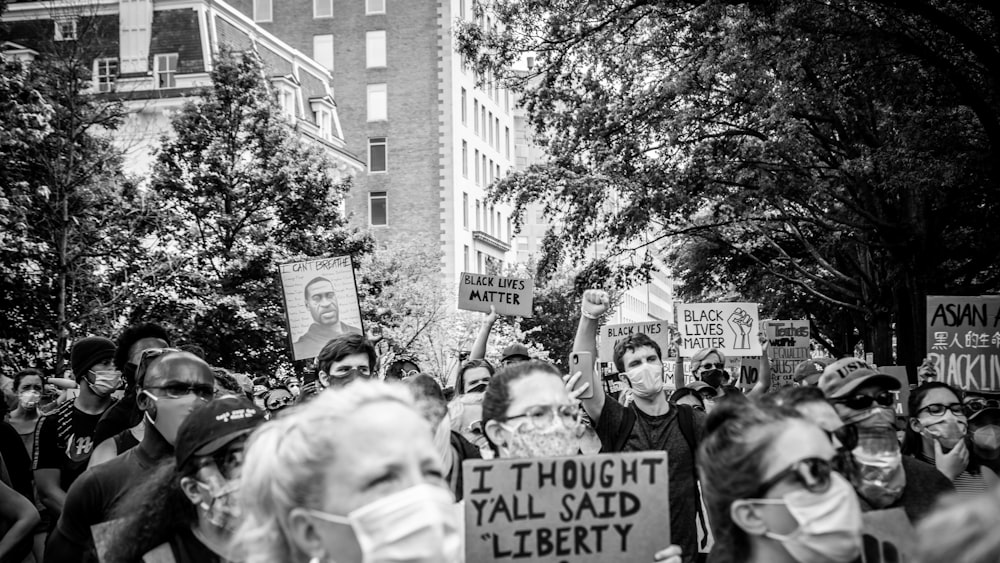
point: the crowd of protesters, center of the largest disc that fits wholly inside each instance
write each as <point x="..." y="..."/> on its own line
<point x="150" y="454"/>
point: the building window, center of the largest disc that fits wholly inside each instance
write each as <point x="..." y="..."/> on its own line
<point x="479" y="261"/>
<point x="485" y="169"/>
<point x="165" y="70"/>
<point x="482" y="118"/>
<point x="464" y="109"/>
<point x="323" y="121"/>
<point x="475" y="116"/>
<point x="378" y="212"/>
<point x="465" y="210"/>
<point x="478" y="221"/>
<point x="65" y="29"/>
<point x="498" y="226"/>
<point x="466" y="256"/>
<point x="377" y="102"/>
<point x="374" y="7"/>
<point x="323" y="50"/>
<point x="506" y="101"/>
<point x="322" y="8"/>
<point x="465" y="159"/>
<point x="489" y="167"/>
<point x="510" y="235"/>
<point x="375" y="49"/>
<point x="461" y="14"/>
<point x="506" y="137"/>
<point x="262" y="10"/>
<point x="496" y="132"/>
<point x="105" y="74"/>
<point x="377" y="154"/>
<point x="475" y="161"/>
<point x="286" y="100"/>
<point x="489" y="138"/>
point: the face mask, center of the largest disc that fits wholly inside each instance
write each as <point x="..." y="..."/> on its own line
<point x="987" y="441"/>
<point x="875" y="417"/>
<point x="949" y="430"/>
<point x="415" y="525"/>
<point x="222" y="511"/>
<point x="170" y="413"/>
<point x="714" y="377"/>
<point x="829" y="524"/>
<point x="105" y="382"/>
<point x="646" y="380"/>
<point x="878" y="467"/>
<point x="555" y="440"/>
<point x="29" y="399"/>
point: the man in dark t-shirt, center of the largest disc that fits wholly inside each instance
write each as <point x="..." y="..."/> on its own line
<point x="650" y="423"/>
<point x="65" y="437"/>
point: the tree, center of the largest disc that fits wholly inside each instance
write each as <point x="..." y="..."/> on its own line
<point x="241" y="193"/>
<point x="842" y="150"/>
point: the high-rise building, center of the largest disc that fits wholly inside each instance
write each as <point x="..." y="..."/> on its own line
<point x="433" y="134"/>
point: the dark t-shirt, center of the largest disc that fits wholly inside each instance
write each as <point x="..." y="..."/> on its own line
<point x="183" y="548"/>
<point x="661" y="433"/>
<point x="122" y="416"/>
<point x="924" y="485"/>
<point x="93" y="497"/>
<point x="17" y="461"/>
<point x="65" y="441"/>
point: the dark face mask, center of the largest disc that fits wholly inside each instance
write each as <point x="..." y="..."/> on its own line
<point x="714" y="377"/>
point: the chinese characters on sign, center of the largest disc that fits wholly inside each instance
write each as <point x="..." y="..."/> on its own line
<point x="963" y="340"/>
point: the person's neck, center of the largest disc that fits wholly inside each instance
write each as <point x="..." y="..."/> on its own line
<point x="216" y="539"/>
<point x="653" y="406"/>
<point x="768" y="551"/>
<point x="153" y="444"/>
<point x="334" y="328"/>
<point x="21" y="413"/>
<point x="90" y="402"/>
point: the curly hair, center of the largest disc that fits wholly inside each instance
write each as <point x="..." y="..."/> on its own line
<point x="133" y="334"/>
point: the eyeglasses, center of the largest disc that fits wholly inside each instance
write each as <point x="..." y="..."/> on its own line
<point x="937" y="409"/>
<point x="813" y="473"/>
<point x="226" y="460"/>
<point x="180" y="390"/>
<point x="712" y="366"/>
<point x="539" y="416"/>
<point x="277" y="403"/>
<point x="698" y="408"/>
<point x="147" y="357"/>
<point x="410" y="373"/>
<point x="976" y="404"/>
<point x="861" y="402"/>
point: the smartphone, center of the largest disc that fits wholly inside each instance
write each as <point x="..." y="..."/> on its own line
<point x="583" y="362"/>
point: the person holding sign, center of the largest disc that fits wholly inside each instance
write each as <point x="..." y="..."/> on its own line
<point x="528" y="413"/>
<point x="650" y="422"/>
<point x="351" y="476"/>
<point x="771" y="491"/>
<point x="321" y="300"/>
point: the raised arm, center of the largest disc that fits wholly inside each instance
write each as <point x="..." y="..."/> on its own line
<point x="479" y="346"/>
<point x="593" y="305"/>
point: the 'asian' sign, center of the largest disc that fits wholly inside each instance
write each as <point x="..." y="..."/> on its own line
<point x="730" y="327"/>
<point x="963" y="340"/>
<point x="510" y="296"/>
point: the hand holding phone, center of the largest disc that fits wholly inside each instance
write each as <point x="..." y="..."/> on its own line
<point x="583" y="362"/>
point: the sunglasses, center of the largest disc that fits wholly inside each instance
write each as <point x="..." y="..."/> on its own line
<point x="712" y="366"/>
<point x="861" y="402"/>
<point x="937" y="409"/>
<point x="813" y="473"/>
<point x="278" y="403"/>
<point x="977" y="404"/>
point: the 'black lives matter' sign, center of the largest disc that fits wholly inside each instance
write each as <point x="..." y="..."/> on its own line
<point x="581" y="508"/>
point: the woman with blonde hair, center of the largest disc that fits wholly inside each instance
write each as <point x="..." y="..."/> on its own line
<point x="351" y="476"/>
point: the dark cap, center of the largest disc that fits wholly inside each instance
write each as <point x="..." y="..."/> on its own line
<point x="845" y="375"/>
<point x="515" y="350"/>
<point x="810" y="370"/>
<point x="701" y="387"/>
<point x="212" y="426"/>
<point x="88" y="352"/>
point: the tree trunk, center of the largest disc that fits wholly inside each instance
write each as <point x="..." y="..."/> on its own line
<point x="61" y="328"/>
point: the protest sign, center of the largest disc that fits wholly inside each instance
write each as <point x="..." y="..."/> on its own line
<point x="321" y="303"/>
<point x="657" y="331"/>
<point x="613" y="385"/>
<point x="789" y="345"/>
<point x="903" y="395"/>
<point x="963" y="340"/>
<point x="888" y="536"/>
<point x="585" y="509"/>
<point x="510" y="296"/>
<point x="730" y="327"/>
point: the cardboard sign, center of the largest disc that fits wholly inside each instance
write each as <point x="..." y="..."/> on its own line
<point x="963" y="340"/>
<point x="730" y="327"/>
<point x="903" y="395"/>
<point x="609" y="335"/>
<point x="510" y="296"/>
<point x="321" y="303"/>
<point x="888" y="536"/>
<point x="585" y="509"/>
<point x="789" y="345"/>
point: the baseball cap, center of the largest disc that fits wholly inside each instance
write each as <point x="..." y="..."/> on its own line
<point x="516" y="350"/>
<point x="701" y="386"/>
<point x="810" y="370"/>
<point x="212" y="426"/>
<point x="845" y="375"/>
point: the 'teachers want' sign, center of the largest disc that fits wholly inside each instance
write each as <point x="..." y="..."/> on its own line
<point x="585" y="509"/>
<point x="510" y="296"/>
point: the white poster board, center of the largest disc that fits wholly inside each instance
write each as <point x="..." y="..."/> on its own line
<point x="511" y="296"/>
<point x="731" y="327"/>
<point x="609" y="335"/>
<point x="321" y="303"/>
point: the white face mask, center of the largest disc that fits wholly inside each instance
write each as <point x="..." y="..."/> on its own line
<point x="415" y="525"/>
<point x="646" y="380"/>
<point x="829" y="523"/>
<point x="29" y="399"/>
<point x="105" y="382"/>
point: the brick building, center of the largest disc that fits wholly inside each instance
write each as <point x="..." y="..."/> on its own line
<point x="432" y="139"/>
<point x="152" y="54"/>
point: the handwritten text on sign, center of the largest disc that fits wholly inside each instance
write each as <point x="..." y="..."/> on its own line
<point x="657" y="331"/>
<point x="789" y="345"/>
<point x="730" y="327"/>
<point x="510" y="296"/>
<point x="589" y="509"/>
<point x="963" y="340"/>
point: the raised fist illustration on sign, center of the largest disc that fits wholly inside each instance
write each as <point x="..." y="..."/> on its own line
<point x="741" y="323"/>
